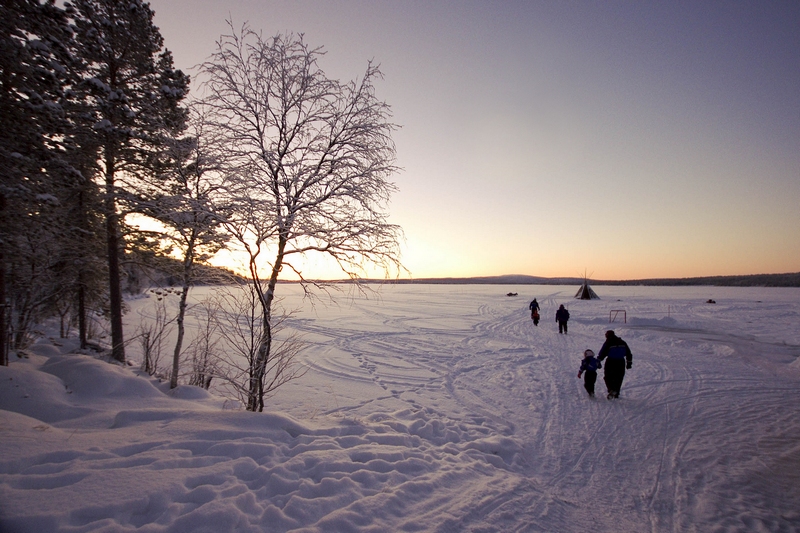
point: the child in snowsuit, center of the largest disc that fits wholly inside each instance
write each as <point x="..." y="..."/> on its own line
<point x="589" y="366"/>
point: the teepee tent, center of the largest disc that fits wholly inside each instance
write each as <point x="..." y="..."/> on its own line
<point x="586" y="292"/>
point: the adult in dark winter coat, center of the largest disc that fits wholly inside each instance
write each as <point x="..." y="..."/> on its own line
<point x="619" y="358"/>
<point x="562" y="316"/>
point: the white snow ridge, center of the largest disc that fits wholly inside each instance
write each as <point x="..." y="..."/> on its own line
<point x="431" y="408"/>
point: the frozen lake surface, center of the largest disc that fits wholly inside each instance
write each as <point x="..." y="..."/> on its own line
<point x="433" y="408"/>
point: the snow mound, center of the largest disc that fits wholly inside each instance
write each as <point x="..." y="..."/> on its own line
<point x="175" y="462"/>
<point x="92" y="380"/>
<point x="36" y="394"/>
<point x="665" y="322"/>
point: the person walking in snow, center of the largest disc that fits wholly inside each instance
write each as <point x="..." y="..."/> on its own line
<point x="562" y="316"/>
<point x="619" y="358"/>
<point x="534" y="307"/>
<point x="589" y="367"/>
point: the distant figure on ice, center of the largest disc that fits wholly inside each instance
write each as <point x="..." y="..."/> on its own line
<point x="534" y="307"/>
<point x="562" y="316"/>
<point x="618" y="353"/>
<point x="589" y="365"/>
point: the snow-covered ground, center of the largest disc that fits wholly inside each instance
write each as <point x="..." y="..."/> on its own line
<point x="432" y="408"/>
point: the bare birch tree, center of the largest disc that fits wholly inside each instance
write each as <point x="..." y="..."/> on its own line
<point x="313" y="158"/>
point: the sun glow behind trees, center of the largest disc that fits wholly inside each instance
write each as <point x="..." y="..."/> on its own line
<point x="234" y="258"/>
<point x="537" y="140"/>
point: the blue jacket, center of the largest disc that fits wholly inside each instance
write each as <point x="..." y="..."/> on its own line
<point x="589" y="364"/>
<point x="615" y="349"/>
<point x="562" y="315"/>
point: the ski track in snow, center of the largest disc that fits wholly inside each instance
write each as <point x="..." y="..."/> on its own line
<point x="445" y="409"/>
<point x="580" y="453"/>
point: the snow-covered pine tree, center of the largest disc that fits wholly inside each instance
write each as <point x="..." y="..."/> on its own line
<point x="136" y="96"/>
<point x="36" y="68"/>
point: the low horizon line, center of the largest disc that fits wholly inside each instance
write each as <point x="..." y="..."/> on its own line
<point x="788" y="279"/>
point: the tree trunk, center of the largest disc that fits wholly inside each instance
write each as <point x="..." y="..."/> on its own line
<point x="81" y="312"/>
<point x="3" y="332"/>
<point x="256" y="399"/>
<point x="81" y="296"/>
<point x="63" y="326"/>
<point x="112" y="239"/>
<point x="21" y="326"/>
<point x="187" y="276"/>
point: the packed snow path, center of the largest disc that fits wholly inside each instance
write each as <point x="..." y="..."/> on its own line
<point x="438" y="408"/>
<point x="685" y="445"/>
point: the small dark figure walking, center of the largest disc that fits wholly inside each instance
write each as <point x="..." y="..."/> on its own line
<point x="534" y="307"/>
<point x="619" y="358"/>
<point x="589" y="366"/>
<point x="562" y="316"/>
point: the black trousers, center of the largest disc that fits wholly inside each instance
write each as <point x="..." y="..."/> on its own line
<point x="562" y="326"/>
<point x="614" y="374"/>
<point x="588" y="381"/>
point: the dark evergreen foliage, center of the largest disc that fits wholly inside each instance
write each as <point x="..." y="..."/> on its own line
<point x="135" y="95"/>
<point x="46" y="227"/>
<point x="87" y="97"/>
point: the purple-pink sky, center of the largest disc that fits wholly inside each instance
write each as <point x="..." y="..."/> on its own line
<point x="626" y="139"/>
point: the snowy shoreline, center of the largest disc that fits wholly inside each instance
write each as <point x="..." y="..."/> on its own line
<point x="432" y="408"/>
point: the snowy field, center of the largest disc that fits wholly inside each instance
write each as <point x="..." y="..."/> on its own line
<point x="432" y="408"/>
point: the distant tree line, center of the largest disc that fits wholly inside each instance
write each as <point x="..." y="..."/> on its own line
<point x="751" y="280"/>
<point x="96" y="126"/>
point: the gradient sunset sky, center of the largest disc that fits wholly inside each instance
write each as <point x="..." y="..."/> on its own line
<point x="625" y="139"/>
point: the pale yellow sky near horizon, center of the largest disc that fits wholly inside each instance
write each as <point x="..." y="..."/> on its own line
<point x="628" y="140"/>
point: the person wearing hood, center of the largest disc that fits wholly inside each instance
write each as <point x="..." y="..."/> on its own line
<point x="619" y="357"/>
<point x="562" y="316"/>
<point x="589" y="366"/>
<point x="534" y="307"/>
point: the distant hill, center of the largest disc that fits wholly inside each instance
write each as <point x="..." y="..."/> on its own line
<point x="754" y="280"/>
<point x="510" y="279"/>
<point x="166" y="274"/>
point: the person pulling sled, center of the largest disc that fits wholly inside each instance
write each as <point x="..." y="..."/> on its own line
<point x="534" y="307"/>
